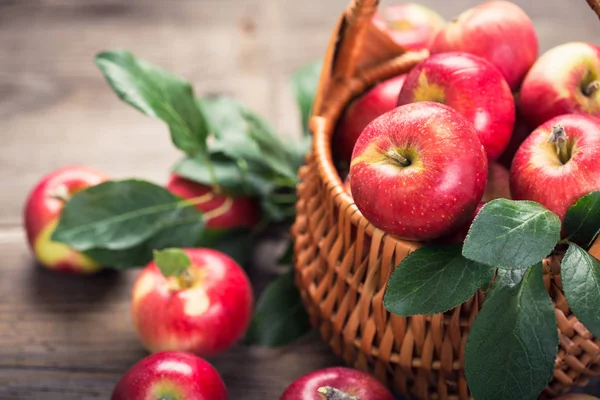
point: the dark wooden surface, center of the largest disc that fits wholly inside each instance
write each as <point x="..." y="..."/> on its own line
<point x="65" y="337"/>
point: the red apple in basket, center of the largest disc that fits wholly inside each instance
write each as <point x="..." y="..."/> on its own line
<point x="42" y="212"/>
<point x="205" y="310"/>
<point x="558" y="163"/>
<point x="411" y="25"/>
<point x="171" y="375"/>
<point x="230" y="212"/>
<point x="564" y="80"/>
<point x="473" y="87"/>
<point x="337" y="383"/>
<point x="361" y="111"/>
<point x="498" y="31"/>
<point x="418" y="171"/>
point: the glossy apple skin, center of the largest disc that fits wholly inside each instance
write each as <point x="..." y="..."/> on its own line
<point x="538" y="174"/>
<point x="434" y="195"/>
<point x="42" y="212"/>
<point x="242" y="212"/>
<point x="554" y="84"/>
<point x="171" y="375"/>
<point x="350" y="381"/>
<point x="380" y="99"/>
<point x="498" y="31"/>
<point x="411" y="25"/>
<point x="205" y="319"/>
<point x="473" y="87"/>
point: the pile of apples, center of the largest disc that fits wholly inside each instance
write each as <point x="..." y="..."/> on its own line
<point x="428" y="148"/>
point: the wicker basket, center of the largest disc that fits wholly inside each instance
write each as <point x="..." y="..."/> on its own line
<point x="343" y="261"/>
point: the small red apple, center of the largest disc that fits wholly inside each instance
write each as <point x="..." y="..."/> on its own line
<point x="411" y="25"/>
<point x="564" y="80"/>
<point x="337" y="381"/>
<point x="473" y="87"/>
<point x="418" y="171"/>
<point x="204" y="311"/>
<point x="498" y="183"/>
<point x="360" y="112"/>
<point x="42" y="212"/>
<point x="171" y="375"/>
<point x="233" y="212"/>
<point x="558" y="163"/>
<point x="498" y="31"/>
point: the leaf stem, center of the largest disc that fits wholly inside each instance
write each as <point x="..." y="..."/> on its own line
<point x="222" y="209"/>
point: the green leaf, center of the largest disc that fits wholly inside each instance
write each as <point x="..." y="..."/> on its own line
<point x="279" y="317"/>
<point x="512" y="345"/>
<point x="185" y="235"/>
<point x="157" y="94"/>
<point x="118" y="215"/>
<point x="236" y="243"/>
<point x="171" y="262"/>
<point x="434" y="279"/>
<point x="304" y="83"/>
<point x="582" y="221"/>
<point x="512" y="234"/>
<point x="580" y="275"/>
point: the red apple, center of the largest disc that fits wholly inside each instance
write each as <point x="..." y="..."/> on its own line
<point x="360" y="112"/>
<point x="42" y="213"/>
<point x="337" y="381"/>
<point x="498" y="31"/>
<point x="564" y="80"/>
<point x="204" y="311"/>
<point x="411" y="25"/>
<point x="171" y="375"/>
<point x="498" y="183"/>
<point x="418" y="171"/>
<point x="473" y="87"/>
<point x="558" y="163"/>
<point x="229" y="211"/>
<point x="460" y="234"/>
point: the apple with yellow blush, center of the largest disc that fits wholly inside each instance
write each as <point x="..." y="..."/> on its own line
<point x="42" y="212"/>
<point x="205" y="309"/>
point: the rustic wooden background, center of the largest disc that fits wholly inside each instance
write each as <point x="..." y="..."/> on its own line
<point x="65" y="337"/>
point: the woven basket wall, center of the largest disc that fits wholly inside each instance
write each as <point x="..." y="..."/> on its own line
<point x="343" y="261"/>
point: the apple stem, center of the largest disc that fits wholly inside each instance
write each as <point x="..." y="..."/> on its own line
<point x="185" y="279"/>
<point x="558" y="138"/>
<point x="335" y="394"/>
<point x="398" y="157"/>
<point x="61" y="193"/>
<point x="591" y="88"/>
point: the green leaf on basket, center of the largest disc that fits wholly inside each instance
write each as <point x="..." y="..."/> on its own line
<point x="157" y="94"/>
<point x="434" y="279"/>
<point x="172" y="261"/>
<point x="118" y="215"/>
<point x="185" y="235"/>
<point x="511" y="234"/>
<point x="512" y="345"/>
<point x="582" y="221"/>
<point x="279" y="317"/>
<point x="580" y="275"/>
<point x="304" y="83"/>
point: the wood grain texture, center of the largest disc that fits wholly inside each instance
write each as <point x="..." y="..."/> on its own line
<point x="65" y="337"/>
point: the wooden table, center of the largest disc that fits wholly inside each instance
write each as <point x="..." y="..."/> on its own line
<point x="67" y="337"/>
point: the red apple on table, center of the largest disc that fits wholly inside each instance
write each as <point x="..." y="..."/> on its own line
<point x="42" y="213"/>
<point x="498" y="31"/>
<point x="411" y="25"/>
<point x="171" y="375"/>
<point x="204" y="311"/>
<point x="558" y="163"/>
<point x="229" y="211"/>
<point x="418" y="171"/>
<point x="360" y="112"/>
<point x="564" y="80"/>
<point x="337" y="381"/>
<point x="473" y="87"/>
